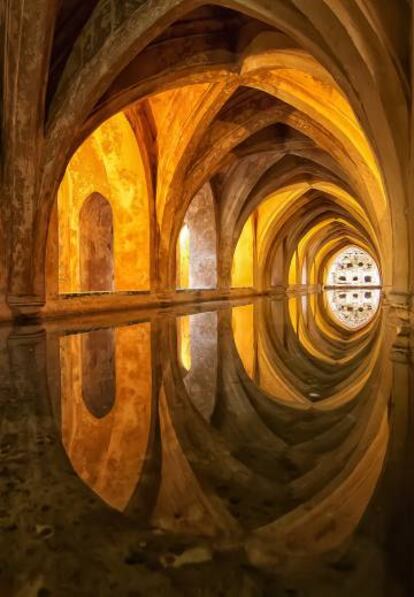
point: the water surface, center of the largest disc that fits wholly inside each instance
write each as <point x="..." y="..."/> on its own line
<point x="254" y="448"/>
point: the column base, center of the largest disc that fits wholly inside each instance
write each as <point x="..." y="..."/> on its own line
<point x="25" y="308"/>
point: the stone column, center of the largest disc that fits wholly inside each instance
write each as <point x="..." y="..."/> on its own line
<point x="28" y="35"/>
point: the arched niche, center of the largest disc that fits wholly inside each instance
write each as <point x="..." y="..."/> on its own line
<point x="96" y="245"/>
<point x="197" y="244"/>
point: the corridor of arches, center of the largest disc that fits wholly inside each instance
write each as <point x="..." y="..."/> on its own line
<point x="206" y="296"/>
<point x="274" y="136"/>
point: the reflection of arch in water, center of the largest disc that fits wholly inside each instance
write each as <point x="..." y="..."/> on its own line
<point x="286" y="361"/>
<point x="96" y="244"/>
<point x="98" y="371"/>
<point x="333" y="457"/>
<point x="107" y="444"/>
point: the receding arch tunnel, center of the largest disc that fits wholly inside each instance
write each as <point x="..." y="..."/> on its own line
<point x="266" y="129"/>
<point x="263" y="168"/>
<point x="206" y="286"/>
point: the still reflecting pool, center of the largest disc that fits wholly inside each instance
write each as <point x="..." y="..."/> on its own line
<point x="228" y="459"/>
<point x="236" y="438"/>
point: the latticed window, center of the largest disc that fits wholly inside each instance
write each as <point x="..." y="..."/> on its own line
<point x="353" y="267"/>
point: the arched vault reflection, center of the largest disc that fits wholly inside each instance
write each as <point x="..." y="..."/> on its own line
<point x="271" y="425"/>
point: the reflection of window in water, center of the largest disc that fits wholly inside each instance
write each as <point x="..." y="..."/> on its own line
<point x="353" y="308"/>
<point x="184" y="342"/>
<point x="353" y="267"/>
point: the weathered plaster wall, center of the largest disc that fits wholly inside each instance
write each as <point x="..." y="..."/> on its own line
<point x="197" y="244"/>
<point x="183" y="258"/>
<point x="108" y="162"/>
<point x="201" y="221"/>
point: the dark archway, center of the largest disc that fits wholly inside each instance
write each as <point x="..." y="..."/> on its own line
<point x="98" y="371"/>
<point x="96" y="245"/>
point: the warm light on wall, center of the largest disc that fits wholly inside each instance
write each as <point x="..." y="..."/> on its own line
<point x="183" y="257"/>
<point x="184" y="236"/>
<point x="108" y="163"/>
<point x="242" y="270"/>
<point x="184" y="341"/>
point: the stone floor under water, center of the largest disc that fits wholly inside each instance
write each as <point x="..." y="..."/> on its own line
<point x="245" y="449"/>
